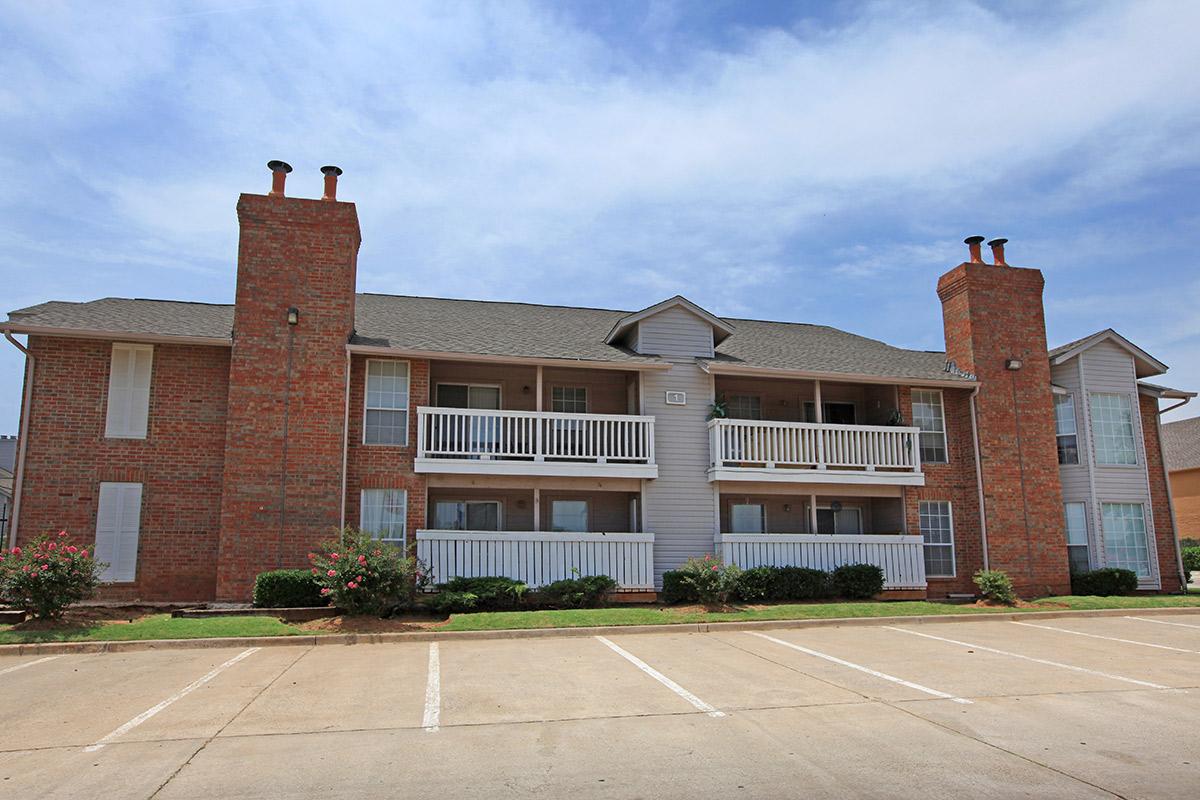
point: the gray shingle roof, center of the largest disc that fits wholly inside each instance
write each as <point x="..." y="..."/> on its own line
<point x="8" y="453"/>
<point x="1181" y="444"/>
<point x="122" y="315"/>
<point x="511" y="329"/>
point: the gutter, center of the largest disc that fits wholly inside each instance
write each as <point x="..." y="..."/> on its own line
<point x="22" y="438"/>
<point x="979" y="480"/>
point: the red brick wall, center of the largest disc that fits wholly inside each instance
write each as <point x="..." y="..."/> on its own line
<point x="301" y="253"/>
<point x="953" y="481"/>
<point x="1164" y="528"/>
<point x="992" y="313"/>
<point x="373" y="466"/>
<point x="179" y="462"/>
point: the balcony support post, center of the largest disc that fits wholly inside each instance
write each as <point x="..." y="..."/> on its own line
<point x="537" y="503"/>
<point x="812" y="513"/>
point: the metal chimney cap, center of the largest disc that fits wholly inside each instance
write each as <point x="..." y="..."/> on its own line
<point x="276" y="165"/>
<point x="995" y="242"/>
<point x="973" y="240"/>
<point x="331" y="170"/>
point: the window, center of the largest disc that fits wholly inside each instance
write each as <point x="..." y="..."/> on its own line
<point x="747" y="518"/>
<point x="386" y="416"/>
<point x="129" y="391"/>
<point x="1125" y="537"/>
<point x="1077" y="537"/>
<point x="1064" y="429"/>
<point x="937" y="527"/>
<point x="568" y="399"/>
<point x="468" y="515"/>
<point x="569" y="515"/>
<point x="744" y="406"/>
<point x="847" y="519"/>
<point x="384" y="514"/>
<point x="929" y="416"/>
<point x="118" y="519"/>
<point x="1112" y="429"/>
<point x="831" y="413"/>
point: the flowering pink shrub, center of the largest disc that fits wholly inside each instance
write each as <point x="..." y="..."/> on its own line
<point x="47" y="575"/>
<point x="363" y="575"/>
<point x="709" y="579"/>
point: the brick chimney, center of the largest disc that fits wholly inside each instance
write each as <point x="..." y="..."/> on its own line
<point x="293" y="316"/>
<point x="995" y="326"/>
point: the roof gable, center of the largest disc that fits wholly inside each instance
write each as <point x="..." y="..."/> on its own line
<point x="722" y="330"/>
<point x="1145" y="365"/>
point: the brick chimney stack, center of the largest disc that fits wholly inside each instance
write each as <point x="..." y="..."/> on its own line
<point x="995" y="326"/>
<point x="293" y="317"/>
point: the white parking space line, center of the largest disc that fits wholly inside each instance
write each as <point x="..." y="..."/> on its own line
<point x="1048" y="663"/>
<point x="1098" y="636"/>
<point x="1164" y="622"/>
<point x="184" y="692"/>
<point x="433" y="692"/>
<point x="874" y="672"/>
<point x="663" y="679"/>
<point x="7" y="670"/>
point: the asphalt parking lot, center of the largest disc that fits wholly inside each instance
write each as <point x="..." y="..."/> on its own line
<point x="1063" y="708"/>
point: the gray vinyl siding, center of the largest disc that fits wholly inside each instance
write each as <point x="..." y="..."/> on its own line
<point x="1105" y="368"/>
<point x="675" y="332"/>
<point x="679" y="505"/>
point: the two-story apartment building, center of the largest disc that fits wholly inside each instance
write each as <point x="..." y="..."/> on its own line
<point x="200" y="444"/>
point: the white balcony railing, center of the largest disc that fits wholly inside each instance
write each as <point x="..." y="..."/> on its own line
<point x="534" y="437"/>
<point x="539" y="557"/>
<point x="901" y="557"/>
<point x="799" y="446"/>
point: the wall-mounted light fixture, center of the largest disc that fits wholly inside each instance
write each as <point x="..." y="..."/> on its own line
<point x="1013" y="364"/>
<point x="293" y="316"/>
<point x="525" y="390"/>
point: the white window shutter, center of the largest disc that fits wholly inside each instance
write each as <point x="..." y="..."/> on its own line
<point x="129" y="391"/>
<point x="118" y="522"/>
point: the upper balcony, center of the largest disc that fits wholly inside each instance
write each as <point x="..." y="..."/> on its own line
<point x="808" y="431"/>
<point x="492" y="442"/>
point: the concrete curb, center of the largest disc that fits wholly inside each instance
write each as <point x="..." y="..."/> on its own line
<point x="61" y="648"/>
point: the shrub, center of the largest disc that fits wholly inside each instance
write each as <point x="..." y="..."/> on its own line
<point x="362" y="574"/>
<point x="492" y="592"/>
<point x="676" y="588"/>
<point x="1191" y="560"/>
<point x="1104" y="582"/>
<point x="47" y="575"/>
<point x="757" y="583"/>
<point x="582" y="592"/>
<point x="857" y="581"/>
<point x="995" y="585"/>
<point x="1187" y="541"/>
<point x="710" y="580"/>
<point x="445" y="602"/>
<point x="288" y="588"/>
<point x="800" y="583"/>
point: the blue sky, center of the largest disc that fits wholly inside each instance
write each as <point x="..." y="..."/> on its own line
<point x="818" y="162"/>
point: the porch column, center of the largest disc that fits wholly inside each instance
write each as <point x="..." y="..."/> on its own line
<point x="539" y="387"/>
<point x="812" y="513"/>
<point x="537" y="493"/>
<point x="817" y="405"/>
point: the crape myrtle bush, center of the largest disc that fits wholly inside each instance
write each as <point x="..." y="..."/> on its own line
<point x="288" y="588"/>
<point x="1104" y="582"/>
<point x="363" y="575"/>
<point x="47" y="575"/>
<point x="701" y="580"/>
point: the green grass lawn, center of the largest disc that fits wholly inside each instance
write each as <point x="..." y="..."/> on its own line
<point x="500" y="620"/>
<point x="158" y="626"/>
<point x="163" y="626"/>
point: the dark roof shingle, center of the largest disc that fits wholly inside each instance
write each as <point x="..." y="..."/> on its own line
<point x="510" y="329"/>
<point x="1181" y="444"/>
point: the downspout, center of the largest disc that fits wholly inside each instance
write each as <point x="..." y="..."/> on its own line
<point x="979" y="480"/>
<point x="22" y="438"/>
<point x="345" y="440"/>
<point x="1162" y="459"/>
